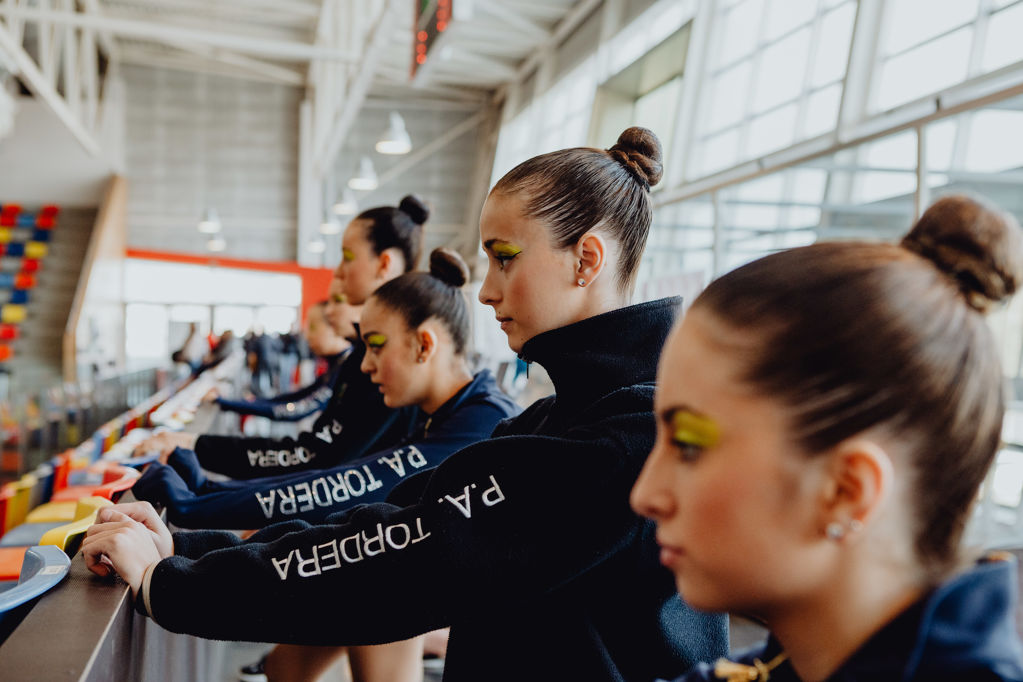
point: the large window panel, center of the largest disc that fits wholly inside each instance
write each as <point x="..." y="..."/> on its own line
<point x="925" y="69"/>
<point x="782" y="72"/>
<point x="1003" y="45"/>
<point x="912" y="22"/>
<point x="771" y="85"/>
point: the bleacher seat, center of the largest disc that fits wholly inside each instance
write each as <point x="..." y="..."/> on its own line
<point x="112" y="481"/>
<point x="41" y="569"/>
<point x="69" y="535"/>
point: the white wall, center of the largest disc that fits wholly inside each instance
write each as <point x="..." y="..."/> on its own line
<point x="41" y="162"/>
<point x="196" y="140"/>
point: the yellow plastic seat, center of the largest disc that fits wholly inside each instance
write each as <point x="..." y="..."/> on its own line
<point x="53" y="511"/>
<point x="35" y="250"/>
<point x="17" y="505"/>
<point x="69" y="536"/>
<point x="12" y="313"/>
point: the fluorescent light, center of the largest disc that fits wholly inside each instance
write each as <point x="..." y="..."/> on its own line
<point x="366" y="179"/>
<point x="216" y="244"/>
<point x="395" y="139"/>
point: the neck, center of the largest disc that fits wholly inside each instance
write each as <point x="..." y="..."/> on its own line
<point x="444" y="387"/>
<point x="601" y="299"/>
<point x="860" y="601"/>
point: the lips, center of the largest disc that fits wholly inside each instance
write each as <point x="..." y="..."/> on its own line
<point x="505" y="321"/>
<point x="670" y="555"/>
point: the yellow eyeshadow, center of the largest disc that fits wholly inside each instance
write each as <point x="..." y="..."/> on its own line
<point x="347" y="255"/>
<point x="376" y="340"/>
<point x="338" y="298"/>
<point x="692" y="429"/>
<point x="505" y="249"/>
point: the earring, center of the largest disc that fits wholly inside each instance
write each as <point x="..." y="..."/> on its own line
<point x="421" y="359"/>
<point x="835" y="531"/>
<point x="581" y="282"/>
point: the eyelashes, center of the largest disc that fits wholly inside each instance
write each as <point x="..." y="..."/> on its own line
<point x="504" y="252"/>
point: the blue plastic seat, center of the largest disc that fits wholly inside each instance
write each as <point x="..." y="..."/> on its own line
<point x="42" y="569"/>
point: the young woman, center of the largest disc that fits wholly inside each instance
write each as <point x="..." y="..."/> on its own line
<point x="325" y="342"/>
<point x="415" y="328"/>
<point x="524" y="542"/>
<point x="378" y="245"/>
<point x="826" y="416"/>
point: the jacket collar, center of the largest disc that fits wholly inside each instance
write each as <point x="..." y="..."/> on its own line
<point x="592" y="357"/>
<point x="966" y="623"/>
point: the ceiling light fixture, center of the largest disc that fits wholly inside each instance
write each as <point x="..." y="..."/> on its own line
<point x="395" y="139"/>
<point x="366" y="178"/>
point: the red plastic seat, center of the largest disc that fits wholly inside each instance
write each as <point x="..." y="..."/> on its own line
<point x="116" y="479"/>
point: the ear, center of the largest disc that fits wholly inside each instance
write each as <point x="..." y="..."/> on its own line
<point x="385" y="261"/>
<point x="860" y="475"/>
<point x="591" y="256"/>
<point x="426" y="339"/>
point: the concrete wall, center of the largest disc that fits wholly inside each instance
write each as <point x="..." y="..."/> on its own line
<point x="197" y="140"/>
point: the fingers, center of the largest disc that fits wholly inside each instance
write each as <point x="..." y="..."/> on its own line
<point x="143" y="512"/>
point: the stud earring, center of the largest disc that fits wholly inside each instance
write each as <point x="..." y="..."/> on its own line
<point x="420" y="359"/>
<point x="581" y="282"/>
<point x="835" y="531"/>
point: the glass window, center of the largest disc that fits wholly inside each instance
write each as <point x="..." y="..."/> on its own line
<point x="767" y="91"/>
<point x="145" y="332"/>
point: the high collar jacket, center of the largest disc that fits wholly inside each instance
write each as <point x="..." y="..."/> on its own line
<point x="964" y="631"/>
<point x="524" y="543"/>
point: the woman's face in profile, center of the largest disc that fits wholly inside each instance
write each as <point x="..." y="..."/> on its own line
<point x="734" y="497"/>
<point x="528" y="281"/>
<point x="359" y="269"/>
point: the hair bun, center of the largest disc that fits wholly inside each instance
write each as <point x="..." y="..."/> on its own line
<point x="416" y="209"/>
<point x="639" y="150"/>
<point x="977" y="245"/>
<point x="449" y="267"/>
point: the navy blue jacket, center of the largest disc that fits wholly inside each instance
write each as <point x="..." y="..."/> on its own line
<point x="964" y="631"/>
<point x="353" y="423"/>
<point x="193" y="501"/>
<point x="524" y="542"/>
<point x="292" y="407"/>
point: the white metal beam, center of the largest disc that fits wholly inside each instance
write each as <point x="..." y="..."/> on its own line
<point x="36" y="82"/>
<point x="105" y="39"/>
<point x="173" y="35"/>
<point x="161" y="58"/>
<point x="376" y="43"/>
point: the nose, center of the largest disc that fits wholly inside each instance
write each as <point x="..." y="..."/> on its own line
<point x="489" y="293"/>
<point x="339" y="271"/>
<point x="367" y="364"/>
<point x="651" y="495"/>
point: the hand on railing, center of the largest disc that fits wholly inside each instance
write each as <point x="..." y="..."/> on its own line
<point x="123" y="545"/>
<point x="165" y="442"/>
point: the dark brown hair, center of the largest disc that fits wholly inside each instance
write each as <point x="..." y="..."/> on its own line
<point x="577" y="190"/>
<point x="853" y="336"/>
<point x="399" y="227"/>
<point x="418" y="296"/>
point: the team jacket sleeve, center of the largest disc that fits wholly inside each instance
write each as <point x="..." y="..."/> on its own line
<point x="193" y="502"/>
<point x="286" y="407"/>
<point x="501" y="521"/>
<point x="345" y="430"/>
